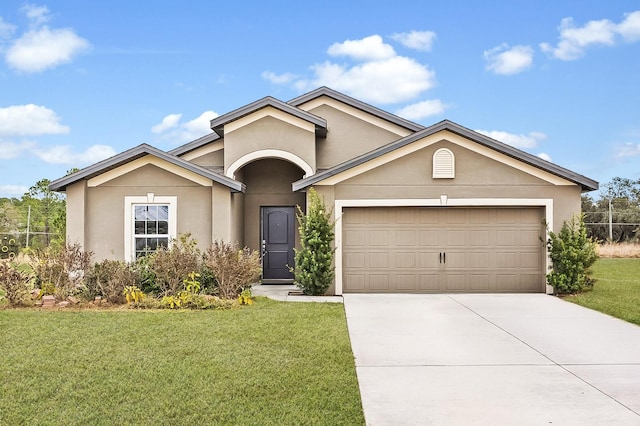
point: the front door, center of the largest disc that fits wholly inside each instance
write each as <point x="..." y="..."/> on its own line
<point x="278" y="233"/>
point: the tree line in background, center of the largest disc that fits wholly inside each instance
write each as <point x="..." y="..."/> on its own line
<point x="615" y="215"/>
<point x="35" y="220"/>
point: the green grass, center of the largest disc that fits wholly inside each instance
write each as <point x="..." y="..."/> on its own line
<point x="271" y="363"/>
<point x="617" y="290"/>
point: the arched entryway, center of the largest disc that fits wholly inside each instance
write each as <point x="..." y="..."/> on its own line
<point x="269" y="213"/>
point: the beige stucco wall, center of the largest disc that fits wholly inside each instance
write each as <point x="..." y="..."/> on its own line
<point x="104" y="217"/>
<point x="270" y="133"/>
<point x="76" y="204"/>
<point x="211" y="160"/>
<point x="347" y="137"/>
<point x="476" y="176"/>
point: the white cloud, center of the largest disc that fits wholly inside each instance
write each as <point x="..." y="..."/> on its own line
<point x="372" y="72"/>
<point x="508" y="61"/>
<point x="370" y="48"/>
<point x="64" y="154"/>
<point x="10" y="150"/>
<point x="177" y="132"/>
<point x="422" y="109"/>
<point x="629" y="28"/>
<point x="573" y="41"/>
<point x="419" y="40"/>
<point x="168" y="122"/>
<point x="199" y="126"/>
<point x="545" y="156"/>
<point x="397" y="79"/>
<point x="22" y="120"/>
<point x="38" y="15"/>
<point x="284" y="78"/>
<point x="518" y="141"/>
<point x="44" y="48"/>
<point x="6" y="29"/>
<point x="13" y="189"/>
<point x="628" y="150"/>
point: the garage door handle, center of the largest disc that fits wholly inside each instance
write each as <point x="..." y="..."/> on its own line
<point x="440" y="257"/>
<point x="444" y="257"/>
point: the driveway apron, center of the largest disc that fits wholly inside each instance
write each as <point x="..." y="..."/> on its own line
<point x="492" y="359"/>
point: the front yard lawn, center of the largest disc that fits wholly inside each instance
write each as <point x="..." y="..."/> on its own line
<point x="617" y="290"/>
<point x="272" y="363"/>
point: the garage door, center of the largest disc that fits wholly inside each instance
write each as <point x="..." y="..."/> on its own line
<point x="423" y="250"/>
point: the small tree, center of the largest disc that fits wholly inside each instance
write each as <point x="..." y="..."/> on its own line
<point x="314" y="261"/>
<point x="572" y="253"/>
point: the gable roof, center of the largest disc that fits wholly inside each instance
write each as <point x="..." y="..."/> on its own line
<point x="585" y="183"/>
<point x="370" y="109"/>
<point x="139" y="152"/>
<point x="195" y="144"/>
<point x="217" y="124"/>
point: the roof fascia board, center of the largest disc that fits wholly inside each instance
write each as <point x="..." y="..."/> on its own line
<point x="195" y="144"/>
<point x="135" y="153"/>
<point x="269" y="111"/>
<point x="217" y="124"/>
<point x="586" y="183"/>
<point x="370" y="109"/>
<point x="357" y="113"/>
<point x="214" y="146"/>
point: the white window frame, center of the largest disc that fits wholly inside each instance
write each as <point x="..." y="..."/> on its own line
<point x="130" y="202"/>
<point x="447" y="163"/>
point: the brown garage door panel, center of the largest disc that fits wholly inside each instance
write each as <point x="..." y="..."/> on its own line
<point x="408" y="249"/>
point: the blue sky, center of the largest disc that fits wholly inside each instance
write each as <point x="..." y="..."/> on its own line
<point x="81" y="81"/>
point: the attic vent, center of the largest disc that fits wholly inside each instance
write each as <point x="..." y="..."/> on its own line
<point x="444" y="164"/>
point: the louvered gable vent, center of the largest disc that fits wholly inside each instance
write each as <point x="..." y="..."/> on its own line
<point x="444" y="164"/>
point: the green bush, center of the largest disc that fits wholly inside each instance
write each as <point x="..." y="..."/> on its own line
<point x="572" y="253"/>
<point x="233" y="268"/>
<point x="14" y="283"/>
<point x="314" y="261"/>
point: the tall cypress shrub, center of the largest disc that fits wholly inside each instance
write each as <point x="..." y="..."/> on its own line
<point x="314" y="268"/>
<point x="572" y="253"/>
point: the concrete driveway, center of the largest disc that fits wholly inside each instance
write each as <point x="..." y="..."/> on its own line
<point x="473" y="359"/>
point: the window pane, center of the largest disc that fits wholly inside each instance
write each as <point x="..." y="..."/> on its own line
<point x="163" y="242"/>
<point x="153" y="244"/>
<point x="140" y="212"/>
<point x="153" y="212"/>
<point x="141" y="244"/>
<point x="152" y="227"/>
<point x="163" y="212"/>
<point x="163" y="227"/>
<point x="139" y="227"/>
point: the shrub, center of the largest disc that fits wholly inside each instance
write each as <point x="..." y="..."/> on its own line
<point x="314" y="261"/>
<point x="109" y="279"/>
<point x="65" y="268"/>
<point x="233" y="268"/>
<point x="146" y="277"/>
<point x="14" y="283"/>
<point x="133" y="294"/>
<point x="572" y="253"/>
<point x="172" y="265"/>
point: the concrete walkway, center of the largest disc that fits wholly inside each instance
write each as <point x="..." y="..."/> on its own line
<point x="289" y="293"/>
<point x="492" y="360"/>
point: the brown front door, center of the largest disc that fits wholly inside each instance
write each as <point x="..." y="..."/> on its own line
<point x="278" y="233"/>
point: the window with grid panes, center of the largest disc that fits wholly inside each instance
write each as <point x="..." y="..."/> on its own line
<point x="151" y="228"/>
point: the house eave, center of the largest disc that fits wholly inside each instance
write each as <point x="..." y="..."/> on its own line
<point x="585" y="183"/>
<point x="61" y="184"/>
<point x="218" y="123"/>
